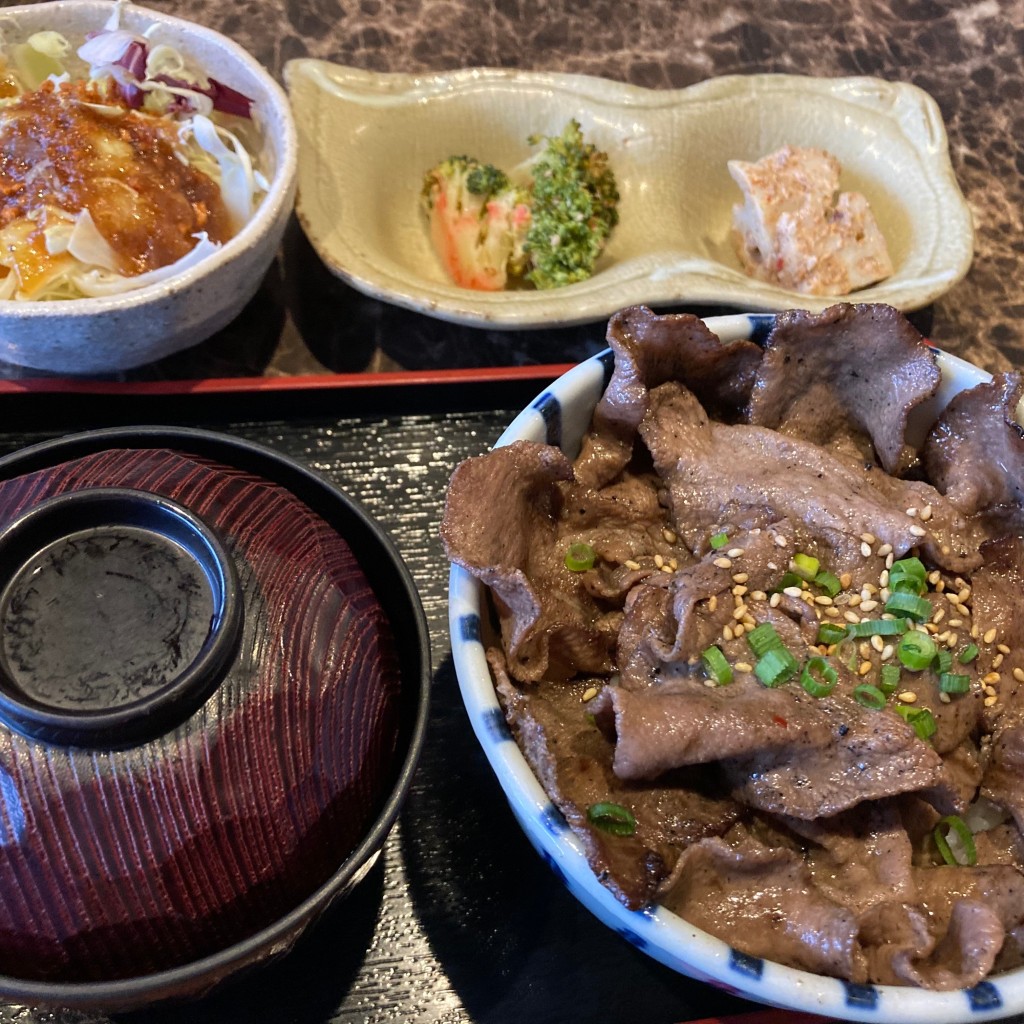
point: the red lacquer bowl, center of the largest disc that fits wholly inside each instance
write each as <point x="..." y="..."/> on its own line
<point x="214" y="672"/>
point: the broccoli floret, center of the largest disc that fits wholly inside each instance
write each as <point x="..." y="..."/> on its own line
<point x="478" y="222"/>
<point x="574" y="207"/>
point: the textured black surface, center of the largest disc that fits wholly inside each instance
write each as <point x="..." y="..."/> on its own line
<point x="460" y="920"/>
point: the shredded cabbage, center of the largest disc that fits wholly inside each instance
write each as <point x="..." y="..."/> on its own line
<point x="141" y="73"/>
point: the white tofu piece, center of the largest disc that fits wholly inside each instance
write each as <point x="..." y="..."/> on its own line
<point x="795" y="229"/>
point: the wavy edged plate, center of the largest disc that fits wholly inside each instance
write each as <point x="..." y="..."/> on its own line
<point x="366" y="140"/>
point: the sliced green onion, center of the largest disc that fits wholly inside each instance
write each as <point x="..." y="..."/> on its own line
<point x="909" y="605"/>
<point x="869" y="696"/>
<point x="612" y="818"/>
<point x="877" y="627"/>
<point x="805" y="566"/>
<point x="889" y="681"/>
<point x="828" y="582"/>
<point x="964" y="841"/>
<point x="912" y="567"/>
<point x="719" y="540"/>
<point x="776" y="666"/>
<point x="953" y="682"/>
<point x="790" y="579"/>
<point x="920" y="720"/>
<point x="904" y="585"/>
<point x="717" y="666"/>
<point x="943" y="660"/>
<point x="916" y="650"/>
<point x="830" y="633"/>
<point x="579" y="557"/>
<point x="847" y="653"/>
<point x="763" y="638"/>
<point x="968" y="654"/>
<point x="818" y="677"/>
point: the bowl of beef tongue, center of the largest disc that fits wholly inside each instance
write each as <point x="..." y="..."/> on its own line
<point x="743" y="649"/>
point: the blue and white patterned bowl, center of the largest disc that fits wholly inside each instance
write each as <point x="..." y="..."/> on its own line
<point x="560" y="416"/>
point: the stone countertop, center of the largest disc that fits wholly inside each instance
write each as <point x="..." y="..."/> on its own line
<point x="967" y="55"/>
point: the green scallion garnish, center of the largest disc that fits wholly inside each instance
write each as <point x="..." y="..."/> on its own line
<point x="869" y="696"/>
<point x="943" y="661"/>
<point x="763" y="638"/>
<point x="909" y="605"/>
<point x="889" y="679"/>
<point x="920" y="720"/>
<point x="912" y="567"/>
<point x="805" y="566"/>
<point x="718" y="668"/>
<point x="612" y="818"/>
<point x="790" y="579"/>
<point x="916" y="650"/>
<point x="877" y="627"/>
<point x="776" y="666"/>
<point x="830" y="633"/>
<point x="828" y="582"/>
<point x="579" y="557"/>
<point x="954" y="682"/>
<point x="950" y="826"/>
<point x="968" y="654"/>
<point x="818" y="677"/>
<point x="719" y="540"/>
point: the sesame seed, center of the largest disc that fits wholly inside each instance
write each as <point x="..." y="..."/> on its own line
<point x="758" y="595"/>
<point x="887" y="652"/>
<point x="997" y="661"/>
<point x="990" y="690"/>
<point x="877" y="643"/>
<point x="591" y="693"/>
<point x="823" y="599"/>
<point x="868" y="606"/>
<point x="744" y="666"/>
<point x="659" y="561"/>
<point x="869" y="589"/>
<point x="710" y="683"/>
<point x="780" y="540"/>
<point x="951" y="597"/>
<point x="793" y="592"/>
<point x="1002" y="649"/>
<point x="989" y="701"/>
<point x="865" y="549"/>
<point x="833" y="611"/>
<point x="723" y="563"/>
<point x="945" y="549"/>
<point x="673" y="563"/>
<point x="908" y="697"/>
<point x="989" y="636"/>
<point x="734" y="552"/>
<point x="931" y="627"/>
<point x="889" y="560"/>
<point x="738" y="630"/>
<point x="773" y="567"/>
<point x="854" y="600"/>
<point x="975" y="631"/>
<point x="934" y="576"/>
<point x="943" y="636"/>
<point x="952" y="640"/>
<point x="845" y="580"/>
<point x="727" y="633"/>
<point x="774" y="600"/>
<point x="885" y="549"/>
<point x="883" y="595"/>
<point x="739" y="611"/>
<point x="964" y="595"/>
<point x="990" y="677"/>
<point x="925" y="513"/>
<point x="868" y="538"/>
<point x="740" y="577"/>
<point x="712" y="602"/>
<point x="940" y="586"/>
<point x="851" y="616"/>
<point x="945" y="697"/>
<point x="956" y="622"/>
<point x="670" y="537"/>
<point x="883" y="577"/>
<point x="864" y="649"/>
<point x="912" y="512"/>
<point x="738" y="590"/>
<point x="865" y="668"/>
<point x="667" y="569"/>
<point x="1018" y="674"/>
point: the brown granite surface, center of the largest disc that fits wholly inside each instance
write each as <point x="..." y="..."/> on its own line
<point x="968" y="54"/>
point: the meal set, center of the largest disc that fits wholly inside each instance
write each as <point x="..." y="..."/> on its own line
<point x="742" y="644"/>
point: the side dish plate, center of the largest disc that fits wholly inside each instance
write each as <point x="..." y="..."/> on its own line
<point x="367" y="139"/>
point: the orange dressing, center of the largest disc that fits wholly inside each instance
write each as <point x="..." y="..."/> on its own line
<point x="56" y="150"/>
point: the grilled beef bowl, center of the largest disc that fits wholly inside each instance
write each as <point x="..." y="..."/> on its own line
<point x="743" y="651"/>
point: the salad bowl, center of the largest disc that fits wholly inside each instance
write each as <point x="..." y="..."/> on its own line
<point x="107" y="333"/>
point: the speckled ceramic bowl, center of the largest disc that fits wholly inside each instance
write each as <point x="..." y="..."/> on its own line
<point x="106" y="335"/>
<point x="560" y="416"/>
<point x="214" y="676"/>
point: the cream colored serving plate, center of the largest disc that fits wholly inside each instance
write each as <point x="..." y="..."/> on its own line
<point x="367" y="139"/>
